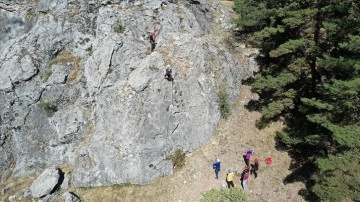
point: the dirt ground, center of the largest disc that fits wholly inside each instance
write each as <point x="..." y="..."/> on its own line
<point x="230" y="141"/>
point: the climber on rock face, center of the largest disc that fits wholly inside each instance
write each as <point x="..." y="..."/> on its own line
<point x="168" y="75"/>
<point x="152" y="41"/>
<point x="152" y="37"/>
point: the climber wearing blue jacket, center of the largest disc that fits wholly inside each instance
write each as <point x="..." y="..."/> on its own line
<point x="216" y="167"/>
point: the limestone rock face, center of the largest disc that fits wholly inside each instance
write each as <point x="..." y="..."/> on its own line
<point x="79" y="85"/>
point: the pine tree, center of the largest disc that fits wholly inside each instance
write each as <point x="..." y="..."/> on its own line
<point x="309" y="77"/>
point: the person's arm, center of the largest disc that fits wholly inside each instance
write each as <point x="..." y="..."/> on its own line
<point x="156" y="32"/>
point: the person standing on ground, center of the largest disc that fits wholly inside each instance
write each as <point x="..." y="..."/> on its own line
<point x="216" y="167"/>
<point x="247" y="156"/>
<point x="244" y="178"/>
<point x="255" y="167"/>
<point x="230" y="178"/>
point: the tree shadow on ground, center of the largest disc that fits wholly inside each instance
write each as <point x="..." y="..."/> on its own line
<point x="253" y="105"/>
<point x="303" y="168"/>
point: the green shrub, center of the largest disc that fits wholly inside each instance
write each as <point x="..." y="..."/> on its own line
<point x="49" y="107"/>
<point x="224" y="195"/>
<point x="178" y="158"/>
<point x="224" y="103"/>
<point x="118" y="27"/>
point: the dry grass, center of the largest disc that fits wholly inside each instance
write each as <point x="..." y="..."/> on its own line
<point x="15" y="187"/>
<point x="157" y="191"/>
<point x="66" y="168"/>
<point x="228" y="3"/>
<point x="66" y="57"/>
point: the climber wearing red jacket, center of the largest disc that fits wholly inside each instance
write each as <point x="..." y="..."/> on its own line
<point x="152" y="37"/>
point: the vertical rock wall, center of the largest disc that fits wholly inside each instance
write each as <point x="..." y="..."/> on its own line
<point x="79" y="85"/>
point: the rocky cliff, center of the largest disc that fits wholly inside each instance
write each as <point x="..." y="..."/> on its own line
<point x="80" y="86"/>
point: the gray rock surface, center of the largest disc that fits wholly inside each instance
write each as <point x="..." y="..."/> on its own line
<point x="70" y="197"/>
<point x="45" y="183"/>
<point x="80" y="86"/>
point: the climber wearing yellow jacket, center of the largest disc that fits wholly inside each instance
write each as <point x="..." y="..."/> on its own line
<point x="230" y="178"/>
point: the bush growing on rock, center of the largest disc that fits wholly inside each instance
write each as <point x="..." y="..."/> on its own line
<point x="49" y="107"/>
<point x="224" y="103"/>
<point x="178" y="158"/>
<point x="118" y="27"/>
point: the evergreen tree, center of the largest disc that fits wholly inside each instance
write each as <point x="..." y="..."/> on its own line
<point x="309" y="77"/>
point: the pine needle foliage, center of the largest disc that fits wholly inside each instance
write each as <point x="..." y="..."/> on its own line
<point x="309" y="77"/>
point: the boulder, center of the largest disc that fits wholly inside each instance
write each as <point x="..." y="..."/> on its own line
<point x="70" y="197"/>
<point x="45" y="183"/>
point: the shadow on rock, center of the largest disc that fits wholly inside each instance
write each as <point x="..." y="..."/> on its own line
<point x="61" y="179"/>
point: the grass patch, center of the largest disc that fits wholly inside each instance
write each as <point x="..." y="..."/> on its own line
<point x="224" y="103"/>
<point x="49" y="107"/>
<point x="225" y="195"/>
<point x="119" y="27"/>
<point x="47" y="74"/>
<point x="178" y="158"/>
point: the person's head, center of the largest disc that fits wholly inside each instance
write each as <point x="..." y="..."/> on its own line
<point x="230" y="170"/>
<point x="256" y="160"/>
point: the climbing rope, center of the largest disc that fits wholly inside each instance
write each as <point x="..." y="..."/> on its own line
<point x="172" y="101"/>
